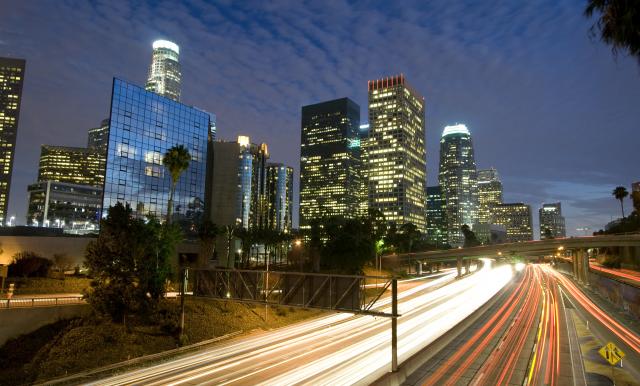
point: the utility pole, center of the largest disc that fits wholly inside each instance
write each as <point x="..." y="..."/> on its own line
<point x="185" y="275"/>
<point x="394" y="324"/>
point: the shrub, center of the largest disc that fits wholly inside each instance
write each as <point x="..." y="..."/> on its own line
<point x="29" y="264"/>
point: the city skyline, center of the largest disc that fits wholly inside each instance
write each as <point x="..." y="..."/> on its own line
<point x="560" y="173"/>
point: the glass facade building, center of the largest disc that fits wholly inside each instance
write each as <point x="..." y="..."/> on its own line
<point x="396" y="153"/>
<point x="436" y="222"/>
<point x="280" y="196"/>
<point x="516" y="219"/>
<point x="330" y="163"/>
<point x="76" y="165"/>
<point x="458" y="180"/>
<point x="143" y="126"/>
<point x="164" y="72"/>
<point x="551" y="221"/>
<point x="11" y="81"/>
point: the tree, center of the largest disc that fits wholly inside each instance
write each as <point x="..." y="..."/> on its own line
<point x="207" y="232"/>
<point x="29" y="264"/>
<point x="409" y="237"/>
<point x="129" y="263"/>
<point x="349" y="244"/>
<point x="470" y="239"/>
<point x="620" y="193"/>
<point x="176" y="160"/>
<point x="618" y="24"/>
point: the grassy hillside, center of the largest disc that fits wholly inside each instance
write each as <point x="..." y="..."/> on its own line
<point x="71" y="346"/>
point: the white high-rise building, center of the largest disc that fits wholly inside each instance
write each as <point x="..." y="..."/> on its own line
<point x="458" y="181"/>
<point x="164" y="72"/>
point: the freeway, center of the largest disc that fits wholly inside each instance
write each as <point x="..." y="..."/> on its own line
<point x="624" y="275"/>
<point x="336" y="349"/>
<point x="517" y="341"/>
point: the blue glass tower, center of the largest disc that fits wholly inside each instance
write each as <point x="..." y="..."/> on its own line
<point x="143" y="126"/>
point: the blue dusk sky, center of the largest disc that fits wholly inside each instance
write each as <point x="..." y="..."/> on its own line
<point x="549" y="107"/>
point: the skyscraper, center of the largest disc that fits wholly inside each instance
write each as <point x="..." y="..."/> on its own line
<point x="396" y="152"/>
<point x="143" y="126"/>
<point x="458" y="180"/>
<point x="259" y="204"/>
<point x="280" y="196"/>
<point x="516" y="218"/>
<point x="330" y="163"/>
<point x="99" y="137"/>
<point x="551" y="221"/>
<point x="75" y="165"/>
<point x="489" y="193"/>
<point x="240" y="189"/>
<point x="11" y="81"/>
<point x="436" y="222"/>
<point x="364" y="172"/>
<point x="164" y="72"/>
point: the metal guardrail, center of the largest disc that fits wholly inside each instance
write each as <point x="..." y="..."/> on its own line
<point x="21" y="302"/>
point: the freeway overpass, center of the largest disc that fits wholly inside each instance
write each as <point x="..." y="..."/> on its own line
<point x="578" y="245"/>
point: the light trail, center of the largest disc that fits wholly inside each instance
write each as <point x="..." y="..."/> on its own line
<point x="624" y="334"/>
<point x="338" y="349"/>
<point x="633" y="276"/>
<point x="532" y="307"/>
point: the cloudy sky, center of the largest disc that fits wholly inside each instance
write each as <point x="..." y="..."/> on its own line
<point x="548" y="106"/>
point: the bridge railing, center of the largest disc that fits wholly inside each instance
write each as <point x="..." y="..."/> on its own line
<point x="22" y="302"/>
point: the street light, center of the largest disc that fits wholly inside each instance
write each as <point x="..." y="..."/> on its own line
<point x="11" y="220"/>
<point x="297" y="243"/>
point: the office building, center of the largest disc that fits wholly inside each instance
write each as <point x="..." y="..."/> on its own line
<point x="74" y="165"/>
<point x="364" y="171"/>
<point x="143" y="126"/>
<point x="280" y="196"/>
<point x="551" y="221"/>
<point x="11" y="81"/>
<point x="73" y="207"/>
<point x="436" y="222"/>
<point x="99" y="137"/>
<point x="330" y="161"/>
<point x="516" y="218"/>
<point x="259" y="204"/>
<point x="396" y="152"/>
<point x="458" y="180"/>
<point x="164" y="72"/>
<point x="489" y="194"/>
<point x="240" y="191"/>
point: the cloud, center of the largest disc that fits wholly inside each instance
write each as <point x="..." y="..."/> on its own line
<point x="543" y="102"/>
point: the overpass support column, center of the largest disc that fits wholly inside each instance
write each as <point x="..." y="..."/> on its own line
<point x="585" y="266"/>
<point x="574" y="263"/>
<point x="459" y="266"/>
<point x="467" y="266"/>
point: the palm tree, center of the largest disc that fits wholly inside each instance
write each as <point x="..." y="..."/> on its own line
<point x="618" y="23"/>
<point x="176" y="160"/>
<point x="620" y="193"/>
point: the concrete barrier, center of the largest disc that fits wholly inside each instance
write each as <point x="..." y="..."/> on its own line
<point x="621" y="294"/>
<point x="18" y="321"/>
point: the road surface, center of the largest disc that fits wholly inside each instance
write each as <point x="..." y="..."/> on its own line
<point x="337" y="349"/>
